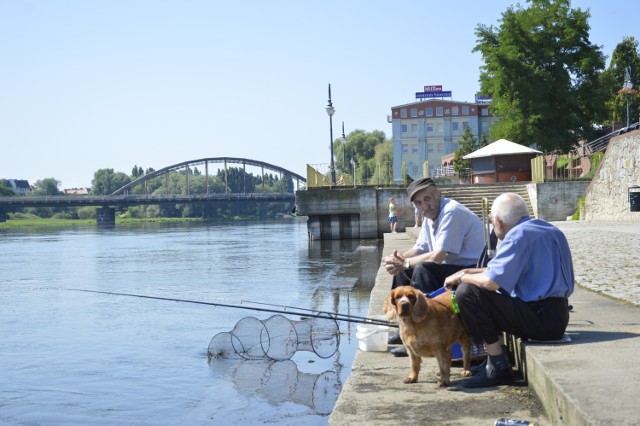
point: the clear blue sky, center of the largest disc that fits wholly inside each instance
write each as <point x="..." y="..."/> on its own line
<point x="91" y="84"/>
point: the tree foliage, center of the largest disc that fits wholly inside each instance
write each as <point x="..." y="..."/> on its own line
<point x="370" y="151"/>
<point x="467" y="145"/>
<point x="624" y="56"/>
<point x="46" y="186"/>
<point x="106" y="181"/>
<point x="543" y="74"/>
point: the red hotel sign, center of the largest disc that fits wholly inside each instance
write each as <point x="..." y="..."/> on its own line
<point x="433" y="88"/>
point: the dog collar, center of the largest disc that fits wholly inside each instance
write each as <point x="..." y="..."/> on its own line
<point x="454" y="303"/>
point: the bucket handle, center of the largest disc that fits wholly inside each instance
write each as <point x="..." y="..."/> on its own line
<point x="369" y="333"/>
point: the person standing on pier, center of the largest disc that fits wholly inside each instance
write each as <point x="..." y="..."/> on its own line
<point x="393" y="215"/>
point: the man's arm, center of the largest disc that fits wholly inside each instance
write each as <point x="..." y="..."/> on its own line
<point x="475" y="276"/>
<point x="397" y="262"/>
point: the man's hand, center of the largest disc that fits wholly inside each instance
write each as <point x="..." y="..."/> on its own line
<point x="451" y="282"/>
<point x="394" y="264"/>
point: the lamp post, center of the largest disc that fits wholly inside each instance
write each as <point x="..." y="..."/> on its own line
<point x="331" y="110"/>
<point x="353" y="163"/>
<point x="628" y="85"/>
<point x="344" y="147"/>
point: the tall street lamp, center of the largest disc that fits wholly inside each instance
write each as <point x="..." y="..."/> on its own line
<point x="627" y="86"/>
<point x="331" y="110"/>
<point x="343" y="139"/>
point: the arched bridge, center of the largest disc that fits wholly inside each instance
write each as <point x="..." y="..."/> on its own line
<point x="161" y="187"/>
<point x="190" y="166"/>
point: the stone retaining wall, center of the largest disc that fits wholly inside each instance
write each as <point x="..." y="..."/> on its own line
<point x="608" y="194"/>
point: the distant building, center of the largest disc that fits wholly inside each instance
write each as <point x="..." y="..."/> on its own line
<point x="77" y="191"/>
<point x="19" y="186"/>
<point x="501" y="161"/>
<point x="425" y="131"/>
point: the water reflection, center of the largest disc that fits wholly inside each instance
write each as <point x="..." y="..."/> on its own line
<point x="279" y="382"/>
<point x="81" y="358"/>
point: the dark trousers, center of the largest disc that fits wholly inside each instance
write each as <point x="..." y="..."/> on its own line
<point x="486" y="314"/>
<point x="427" y="276"/>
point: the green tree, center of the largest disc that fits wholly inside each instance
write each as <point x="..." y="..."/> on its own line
<point x="543" y="74"/>
<point x="467" y="145"/>
<point x="4" y="191"/>
<point x="624" y="56"/>
<point x="361" y="147"/>
<point x="383" y="162"/>
<point x="106" y="181"/>
<point x="47" y="186"/>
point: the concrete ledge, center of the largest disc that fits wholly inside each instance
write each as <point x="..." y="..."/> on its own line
<point x="593" y="380"/>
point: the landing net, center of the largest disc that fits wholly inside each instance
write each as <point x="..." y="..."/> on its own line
<point x="276" y="338"/>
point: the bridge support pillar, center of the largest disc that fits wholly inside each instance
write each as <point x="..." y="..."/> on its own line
<point x="106" y="216"/>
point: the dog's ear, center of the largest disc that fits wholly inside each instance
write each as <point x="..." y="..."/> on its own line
<point x="390" y="307"/>
<point x="420" y="308"/>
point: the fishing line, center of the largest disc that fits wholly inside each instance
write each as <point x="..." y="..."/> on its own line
<point x="276" y="338"/>
<point x="298" y="311"/>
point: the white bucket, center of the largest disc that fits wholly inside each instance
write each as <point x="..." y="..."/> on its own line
<point x="372" y="337"/>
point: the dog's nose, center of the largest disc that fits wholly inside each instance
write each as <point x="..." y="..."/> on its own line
<point x="404" y="308"/>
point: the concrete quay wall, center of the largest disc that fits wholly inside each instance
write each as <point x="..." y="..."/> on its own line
<point x="554" y="201"/>
<point x="352" y="213"/>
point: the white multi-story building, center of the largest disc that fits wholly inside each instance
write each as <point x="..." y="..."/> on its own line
<point x="425" y="131"/>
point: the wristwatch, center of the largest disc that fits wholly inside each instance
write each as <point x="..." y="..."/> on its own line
<point x="460" y="277"/>
<point x="407" y="263"/>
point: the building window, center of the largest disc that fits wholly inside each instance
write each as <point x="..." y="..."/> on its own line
<point x="421" y="112"/>
<point x="440" y="147"/>
<point x="439" y="111"/>
<point x="404" y="128"/>
<point x="414" y="112"/>
<point x="446" y="111"/>
<point x="454" y="110"/>
<point x="405" y="148"/>
<point x="403" y="113"/>
<point x="465" y="124"/>
<point x="440" y="127"/>
<point x="465" y="110"/>
<point x="414" y="148"/>
<point x="429" y="127"/>
<point x="484" y="112"/>
<point x="454" y="126"/>
<point x="430" y="147"/>
<point x="429" y="112"/>
<point x="485" y="127"/>
<point x="414" y="129"/>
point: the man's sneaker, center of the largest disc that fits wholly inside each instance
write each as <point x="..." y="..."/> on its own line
<point x="497" y="371"/>
<point x="394" y="338"/>
<point x="399" y="351"/>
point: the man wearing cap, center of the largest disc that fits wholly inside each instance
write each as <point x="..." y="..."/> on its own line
<point x="450" y="240"/>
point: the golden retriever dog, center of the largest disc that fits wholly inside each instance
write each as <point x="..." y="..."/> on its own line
<point x="428" y="327"/>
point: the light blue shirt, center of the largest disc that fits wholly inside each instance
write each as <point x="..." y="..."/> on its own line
<point x="456" y="230"/>
<point x="533" y="262"/>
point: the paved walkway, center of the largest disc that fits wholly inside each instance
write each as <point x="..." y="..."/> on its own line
<point x="593" y="380"/>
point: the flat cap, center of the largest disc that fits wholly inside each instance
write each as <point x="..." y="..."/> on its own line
<point x="419" y="185"/>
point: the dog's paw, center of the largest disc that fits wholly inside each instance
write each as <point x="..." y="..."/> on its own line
<point x="411" y="379"/>
<point x="466" y="373"/>
<point x="442" y="383"/>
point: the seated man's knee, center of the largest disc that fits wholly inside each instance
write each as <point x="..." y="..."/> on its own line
<point x="465" y="292"/>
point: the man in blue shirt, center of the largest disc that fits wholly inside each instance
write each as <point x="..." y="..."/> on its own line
<point x="523" y="291"/>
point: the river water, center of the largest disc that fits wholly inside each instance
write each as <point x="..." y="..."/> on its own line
<point x="79" y="358"/>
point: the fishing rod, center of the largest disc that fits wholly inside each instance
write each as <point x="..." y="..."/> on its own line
<point x="337" y="316"/>
<point x="319" y="314"/>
